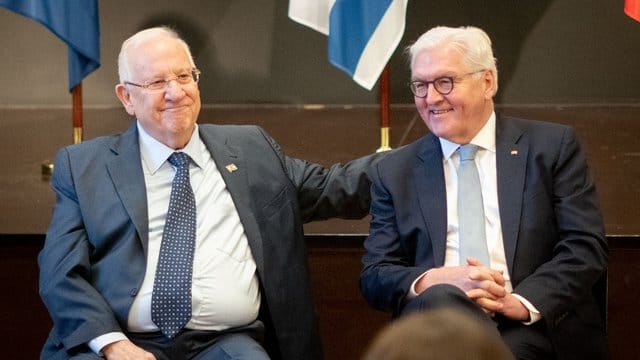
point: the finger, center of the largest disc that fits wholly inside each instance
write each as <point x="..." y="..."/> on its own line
<point x="484" y="273"/>
<point x="480" y="273"/>
<point x="477" y="273"/>
<point x="473" y="262"/>
<point x="490" y="287"/>
<point x="498" y="277"/>
<point x="489" y="305"/>
<point x="496" y="290"/>
<point x="480" y="293"/>
<point x="488" y="290"/>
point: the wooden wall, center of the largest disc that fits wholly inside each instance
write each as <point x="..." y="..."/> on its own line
<point x="325" y="135"/>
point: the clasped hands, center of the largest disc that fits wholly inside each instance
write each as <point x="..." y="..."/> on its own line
<point x="484" y="285"/>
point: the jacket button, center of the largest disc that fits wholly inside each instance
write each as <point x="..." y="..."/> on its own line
<point x="133" y="292"/>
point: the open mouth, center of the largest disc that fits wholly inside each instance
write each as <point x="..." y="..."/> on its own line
<point x="440" y="112"/>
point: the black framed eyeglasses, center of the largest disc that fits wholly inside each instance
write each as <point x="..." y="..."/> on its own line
<point x="443" y="85"/>
<point x="159" y="85"/>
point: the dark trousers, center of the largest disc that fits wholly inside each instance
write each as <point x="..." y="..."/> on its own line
<point x="527" y="342"/>
<point x="243" y="343"/>
<point x="236" y="343"/>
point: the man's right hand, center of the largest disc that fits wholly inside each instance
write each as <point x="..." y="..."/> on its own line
<point x="126" y="350"/>
<point x="469" y="277"/>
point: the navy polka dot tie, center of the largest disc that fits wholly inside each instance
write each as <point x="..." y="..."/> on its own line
<point x="171" y="298"/>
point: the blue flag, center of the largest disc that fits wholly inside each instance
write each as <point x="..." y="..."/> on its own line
<point x="363" y="34"/>
<point x="75" y="22"/>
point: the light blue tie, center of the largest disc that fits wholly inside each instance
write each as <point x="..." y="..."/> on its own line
<point x="472" y="239"/>
<point x="171" y="297"/>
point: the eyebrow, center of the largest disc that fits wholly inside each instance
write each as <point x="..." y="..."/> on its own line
<point x="447" y="74"/>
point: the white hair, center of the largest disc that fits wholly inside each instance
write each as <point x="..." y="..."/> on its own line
<point x="471" y="42"/>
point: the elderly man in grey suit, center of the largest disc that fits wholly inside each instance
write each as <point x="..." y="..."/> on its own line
<point x="249" y="296"/>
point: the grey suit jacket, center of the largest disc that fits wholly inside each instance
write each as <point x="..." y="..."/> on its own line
<point x="94" y="257"/>
<point x="552" y="228"/>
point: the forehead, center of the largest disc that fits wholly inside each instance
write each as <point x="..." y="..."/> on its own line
<point x="432" y="63"/>
<point x="157" y="55"/>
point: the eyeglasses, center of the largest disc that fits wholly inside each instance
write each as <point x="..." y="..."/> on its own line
<point x="159" y="85"/>
<point x="443" y="85"/>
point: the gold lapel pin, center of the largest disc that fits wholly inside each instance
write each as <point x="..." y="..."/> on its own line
<point x="514" y="152"/>
<point x="231" y="167"/>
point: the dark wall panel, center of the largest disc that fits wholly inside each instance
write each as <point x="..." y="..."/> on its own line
<point x="347" y="324"/>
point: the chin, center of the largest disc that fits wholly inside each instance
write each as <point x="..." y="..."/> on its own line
<point x="438" y="129"/>
<point x="179" y="121"/>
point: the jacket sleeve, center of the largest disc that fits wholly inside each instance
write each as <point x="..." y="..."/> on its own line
<point x="78" y="311"/>
<point x="388" y="271"/>
<point x="342" y="190"/>
<point x="578" y="255"/>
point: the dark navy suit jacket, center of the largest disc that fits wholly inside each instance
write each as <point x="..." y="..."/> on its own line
<point x="94" y="257"/>
<point x="551" y="224"/>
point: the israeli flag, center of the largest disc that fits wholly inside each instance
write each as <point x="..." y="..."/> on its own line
<point x="363" y="34"/>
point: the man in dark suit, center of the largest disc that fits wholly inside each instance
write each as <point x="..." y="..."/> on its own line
<point x="250" y="296"/>
<point x="541" y="229"/>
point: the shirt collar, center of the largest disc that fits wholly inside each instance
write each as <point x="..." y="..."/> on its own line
<point x="485" y="139"/>
<point x="154" y="153"/>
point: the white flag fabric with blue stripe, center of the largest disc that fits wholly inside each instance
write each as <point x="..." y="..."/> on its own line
<point x="363" y="34"/>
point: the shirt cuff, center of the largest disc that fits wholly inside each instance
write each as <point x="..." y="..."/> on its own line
<point x="412" y="290"/>
<point x="101" y="341"/>
<point x="534" y="314"/>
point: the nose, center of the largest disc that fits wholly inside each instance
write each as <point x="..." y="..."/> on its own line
<point x="433" y="96"/>
<point x="173" y="89"/>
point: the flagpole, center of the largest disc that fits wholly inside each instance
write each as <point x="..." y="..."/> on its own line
<point x="76" y="94"/>
<point x="384" y="110"/>
<point x="76" y="114"/>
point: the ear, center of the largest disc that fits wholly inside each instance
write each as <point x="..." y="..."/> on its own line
<point x="490" y="83"/>
<point x="125" y="98"/>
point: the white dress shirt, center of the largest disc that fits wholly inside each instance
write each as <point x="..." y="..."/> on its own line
<point x="486" y="163"/>
<point x="225" y="287"/>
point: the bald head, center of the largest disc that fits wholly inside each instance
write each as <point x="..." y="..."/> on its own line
<point x="142" y="38"/>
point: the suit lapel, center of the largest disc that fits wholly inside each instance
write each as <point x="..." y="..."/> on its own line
<point x="125" y="169"/>
<point x="232" y="166"/>
<point x="512" y="148"/>
<point x="429" y="179"/>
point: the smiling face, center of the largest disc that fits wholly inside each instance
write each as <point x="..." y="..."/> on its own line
<point x="459" y="115"/>
<point x="168" y="115"/>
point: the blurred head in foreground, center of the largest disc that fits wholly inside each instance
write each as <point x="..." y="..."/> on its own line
<point x="439" y="334"/>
